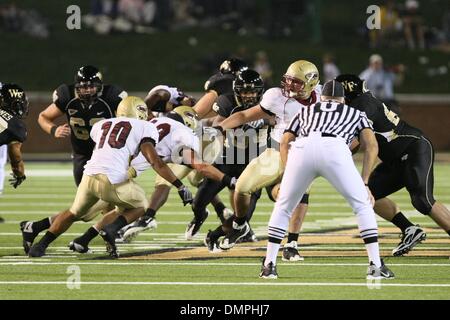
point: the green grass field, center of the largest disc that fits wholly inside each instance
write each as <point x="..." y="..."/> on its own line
<point x="160" y="264"/>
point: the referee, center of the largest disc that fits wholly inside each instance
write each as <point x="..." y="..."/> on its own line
<point x="324" y="132"/>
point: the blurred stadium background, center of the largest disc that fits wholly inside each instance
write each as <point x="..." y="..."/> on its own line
<point x="138" y="44"/>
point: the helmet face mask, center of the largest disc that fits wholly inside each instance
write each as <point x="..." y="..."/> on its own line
<point x="300" y="80"/>
<point x="14" y="100"/>
<point x="88" y="84"/>
<point x="248" y="88"/>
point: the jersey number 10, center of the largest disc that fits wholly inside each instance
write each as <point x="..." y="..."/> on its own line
<point x="117" y="136"/>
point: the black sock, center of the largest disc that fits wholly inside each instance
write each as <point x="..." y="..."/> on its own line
<point x="240" y="220"/>
<point x="401" y="221"/>
<point x="448" y="232"/>
<point x="47" y="239"/>
<point x="149" y="213"/>
<point x="292" y="237"/>
<point x="41" y="225"/>
<point x="118" y="224"/>
<point x="90" y="234"/>
<point x="219" y="207"/>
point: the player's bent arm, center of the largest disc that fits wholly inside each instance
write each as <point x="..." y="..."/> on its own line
<point x="190" y="157"/>
<point x="46" y="121"/>
<point x="149" y="152"/>
<point x="286" y="139"/>
<point x="239" y="118"/>
<point x="370" y="147"/>
<point x="203" y="107"/>
<point x="15" y="156"/>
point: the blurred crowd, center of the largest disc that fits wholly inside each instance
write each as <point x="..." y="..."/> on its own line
<point x="17" y="20"/>
<point x="403" y="25"/>
<point x="263" y="17"/>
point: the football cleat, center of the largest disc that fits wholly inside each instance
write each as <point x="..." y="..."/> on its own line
<point x="211" y="243"/>
<point x="28" y="236"/>
<point x="237" y="233"/>
<point x="290" y="252"/>
<point x="269" y="271"/>
<point x="37" y="250"/>
<point x="374" y="273"/>
<point x="142" y="224"/>
<point x="410" y="238"/>
<point x="110" y="242"/>
<point x="250" y="237"/>
<point x="78" y="247"/>
<point x="193" y="226"/>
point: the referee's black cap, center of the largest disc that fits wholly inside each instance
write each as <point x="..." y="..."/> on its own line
<point x="333" y="88"/>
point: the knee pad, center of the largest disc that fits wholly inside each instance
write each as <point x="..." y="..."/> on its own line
<point x="421" y="203"/>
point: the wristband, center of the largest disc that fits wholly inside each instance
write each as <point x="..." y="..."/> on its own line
<point x="226" y="180"/>
<point x="53" y="130"/>
<point x="177" y="184"/>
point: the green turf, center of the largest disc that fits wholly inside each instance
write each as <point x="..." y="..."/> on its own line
<point x="49" y="189"/>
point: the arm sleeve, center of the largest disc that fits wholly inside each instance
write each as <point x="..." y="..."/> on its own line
<point x="223" y="106"/>
<point x="61" y="97"/>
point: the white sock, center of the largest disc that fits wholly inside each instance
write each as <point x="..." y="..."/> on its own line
<point x="272" y="252"/>
<point x="373" y="251"/>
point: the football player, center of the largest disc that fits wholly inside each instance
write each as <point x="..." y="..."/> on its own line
<point x="176" y="137"/>
<point x="106" y="173"/>
<point x="13" y="108"/>
<point x="239" y="148"/>
<point x="407" y="161"/>
<point x="84" y="103"/>
<point x="163" y="99"/>
<point x="299" y="87"/>
<point x="218" y="84"/>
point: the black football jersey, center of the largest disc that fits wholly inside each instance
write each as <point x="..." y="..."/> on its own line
<point x="393" y="134"/>
<point x="245" y="147"/>
<point x="82" y="117"/>
<point x="11" y="128"/>
<point x="221" y="83"/>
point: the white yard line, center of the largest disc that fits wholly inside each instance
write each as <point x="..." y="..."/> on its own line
<point x="240" y="284"/>
<point x="212" y="264"/>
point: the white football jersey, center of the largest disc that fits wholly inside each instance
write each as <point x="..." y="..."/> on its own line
<point x="173" y="137"/>
<point x="175" y="94"/>
<point x="117" y="140"/>
<point x="283" y="108"/>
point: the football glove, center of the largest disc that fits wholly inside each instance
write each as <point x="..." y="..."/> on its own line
<point x="16" y="180"/>
<point x="185" y="195"/>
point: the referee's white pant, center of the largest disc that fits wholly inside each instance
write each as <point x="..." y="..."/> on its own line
<point x="329" y="157"/>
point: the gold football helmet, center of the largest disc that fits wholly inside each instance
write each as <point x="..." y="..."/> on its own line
<point x="133" y="107"/>
<point x="189" y="116"/>
<point x="300" y="80"/>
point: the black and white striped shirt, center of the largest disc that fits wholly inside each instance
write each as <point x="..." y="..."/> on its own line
<point x="332" y="118"/>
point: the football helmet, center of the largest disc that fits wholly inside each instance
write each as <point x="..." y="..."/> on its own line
<point x="185" y="115"/>
<point x="248" y="88"/>
<point x="233" y="66"/>
<point x="353" y="86"/>
<point x="300" y="80"/>
<point x="132" y="107"/>
<point x="88" y="84"/>
<point x="14" y="100"/>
